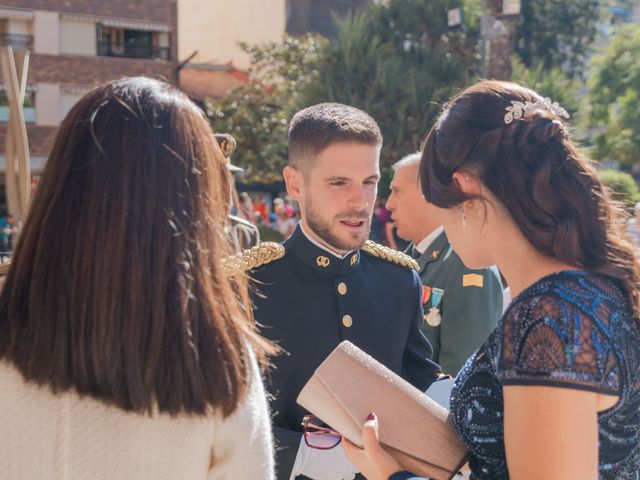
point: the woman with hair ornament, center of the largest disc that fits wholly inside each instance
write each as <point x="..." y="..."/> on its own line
<point x="553" y="393"/>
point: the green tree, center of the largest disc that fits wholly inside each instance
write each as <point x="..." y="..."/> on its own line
<point x="397" y="62"/>
<point x="257" y="114"/>
<point x="622" y="185"/>
<point x="614" y="90"/>
<point x="552" y="82"/>
<point x="558" y="34"/>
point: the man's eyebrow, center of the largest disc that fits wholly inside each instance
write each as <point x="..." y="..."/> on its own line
<point x="338" y="179"/>
<point x="375" y="176"/>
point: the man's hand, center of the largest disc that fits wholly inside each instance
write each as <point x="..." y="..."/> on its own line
<point x="372" y="461"/>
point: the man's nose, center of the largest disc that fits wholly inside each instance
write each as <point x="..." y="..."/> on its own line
<point x="391" y="201"/>
<point x="358" y="200"/>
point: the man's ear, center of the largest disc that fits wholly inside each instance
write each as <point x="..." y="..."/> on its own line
<point x="294" y="182"/>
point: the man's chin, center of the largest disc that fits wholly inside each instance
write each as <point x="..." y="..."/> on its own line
<point x="355" y="242"/>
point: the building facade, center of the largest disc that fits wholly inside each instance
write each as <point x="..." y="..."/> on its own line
<point x="77" y="44"/>
<point x="212" y="61"/>
<point x="313" y="16"/>
<point x="213" y="29"/>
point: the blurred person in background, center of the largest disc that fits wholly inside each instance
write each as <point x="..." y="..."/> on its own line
<point x="285" y="225"/>
<point x="243" y="233"/>
<point x="461" y="305"/>
<point x="125" y="350"/>
<point x="261" y="207"/>
<point x="245" y="207"/>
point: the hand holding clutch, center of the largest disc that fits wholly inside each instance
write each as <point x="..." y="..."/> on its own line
<point x="416" y="431"/>
<point x="371" y="460"/>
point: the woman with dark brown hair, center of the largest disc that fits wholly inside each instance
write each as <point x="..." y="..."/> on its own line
<point x="125" y="351"/>
<point x="554" y="392"/>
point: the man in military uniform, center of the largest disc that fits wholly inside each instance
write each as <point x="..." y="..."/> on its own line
<point x="329" y="283"/>
<point x="243" y="233"/>
<point x="461" y="306"/>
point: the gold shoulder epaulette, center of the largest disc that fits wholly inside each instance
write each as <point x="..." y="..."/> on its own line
<point x="254" y="257"/>
<point x="376" y="250"/>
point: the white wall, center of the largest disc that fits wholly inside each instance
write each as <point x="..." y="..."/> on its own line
<point x="215" y="28"/>
<point x="19" y="27"/>
<point x="163" y="39"/>
<point x="48" y="104"/>
<point x="46" y="32"/>
<point x="67" y="101"/>
<point x="78" y="38"/>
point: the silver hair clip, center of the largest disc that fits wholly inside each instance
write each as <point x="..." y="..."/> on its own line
<point x="523" y="109"/>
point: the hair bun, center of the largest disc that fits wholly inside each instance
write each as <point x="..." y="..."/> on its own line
<point x="555" y="128"/>
<point x="544" y="129"/>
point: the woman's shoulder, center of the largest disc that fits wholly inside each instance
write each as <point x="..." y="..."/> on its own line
<point x="568" y="328"/>
<point x="593" y="294"/>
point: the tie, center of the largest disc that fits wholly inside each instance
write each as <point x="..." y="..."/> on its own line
<point x="414" y="253"/>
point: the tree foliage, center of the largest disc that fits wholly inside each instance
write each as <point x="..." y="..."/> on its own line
<point x="398" y="62"/>
<point x="257" y="114"/>
<point x="552" y="82"/>
<point x="614" y="89"/>
<point x="622" y="185"/>
<point x="558" y="34"/>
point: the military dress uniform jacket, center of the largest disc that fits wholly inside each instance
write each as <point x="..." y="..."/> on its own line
<point x="309" y="301"/>
<point x="470" y="305"/>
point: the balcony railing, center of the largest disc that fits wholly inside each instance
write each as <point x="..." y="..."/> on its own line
<point x="29" y="114"/>
<point x="105" y="49"/>
<point x="16" y="41"/>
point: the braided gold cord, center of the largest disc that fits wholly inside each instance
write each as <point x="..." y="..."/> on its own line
<point x="252" y="258"/>
<point x="376" y="250"/>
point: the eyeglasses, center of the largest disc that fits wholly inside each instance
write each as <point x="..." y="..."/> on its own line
<point x="318" y="434"/>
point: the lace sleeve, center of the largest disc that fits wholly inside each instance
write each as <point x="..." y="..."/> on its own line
<point x="548" y="340"/>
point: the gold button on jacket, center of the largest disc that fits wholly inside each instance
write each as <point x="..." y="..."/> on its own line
<point x="347" y="321"/>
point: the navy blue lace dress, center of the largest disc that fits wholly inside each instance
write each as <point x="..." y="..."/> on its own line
<point x="574" y="330"/>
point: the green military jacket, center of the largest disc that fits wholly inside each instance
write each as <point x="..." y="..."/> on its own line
<point x="469" y="304"/>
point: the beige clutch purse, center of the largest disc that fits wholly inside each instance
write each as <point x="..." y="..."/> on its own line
<point x="417" y="431"/>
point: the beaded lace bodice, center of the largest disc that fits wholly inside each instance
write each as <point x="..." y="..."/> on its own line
<point x="572" y="329"/>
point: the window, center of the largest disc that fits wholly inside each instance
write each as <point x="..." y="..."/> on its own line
<point x="121" y="42"/>
<point x="29" y="106"/>
<point x="15" y="33"/>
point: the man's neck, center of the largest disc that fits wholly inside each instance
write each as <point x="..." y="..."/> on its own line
<point x="426" y="242"/>
<point x="318" y="242"/>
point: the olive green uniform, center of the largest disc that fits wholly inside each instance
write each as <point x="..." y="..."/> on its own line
<point x="468" y="309"/>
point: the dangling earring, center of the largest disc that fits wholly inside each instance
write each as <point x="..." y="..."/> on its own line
<point x="464" y="216"/>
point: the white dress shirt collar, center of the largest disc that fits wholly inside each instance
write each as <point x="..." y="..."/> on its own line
<point x="319" y="245"/>
<point x="428" y="240"/>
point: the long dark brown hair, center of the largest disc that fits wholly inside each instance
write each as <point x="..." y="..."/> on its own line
<point x="533" y="168"/>
<point x="115" y="288"/>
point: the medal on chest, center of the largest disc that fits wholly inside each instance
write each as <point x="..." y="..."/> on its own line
<point x="433" y="317"/>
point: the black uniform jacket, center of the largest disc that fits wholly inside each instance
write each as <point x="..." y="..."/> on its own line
<point x="309" y="301"/>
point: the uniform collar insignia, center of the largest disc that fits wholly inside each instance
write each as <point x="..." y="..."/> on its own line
<point x="435" y="250"/>
<point x="318" y="258"/>
<point x="323" y="261"/>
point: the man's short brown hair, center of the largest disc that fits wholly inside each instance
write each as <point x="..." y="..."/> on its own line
<point x="315" y="128"/>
